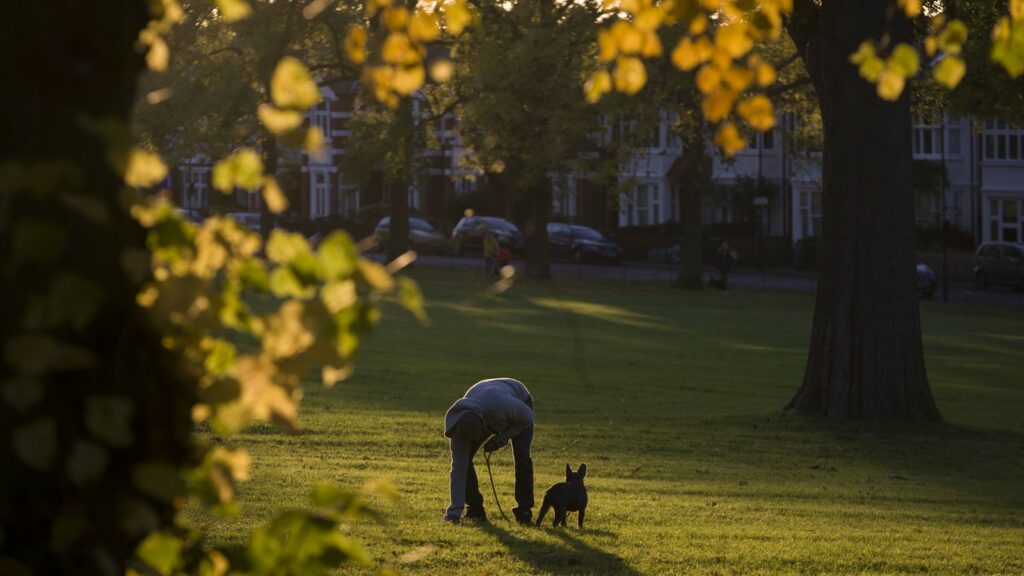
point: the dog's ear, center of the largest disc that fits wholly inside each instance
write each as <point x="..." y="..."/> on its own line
<point x="582" y="471"/>
<point x="568" y="471"/>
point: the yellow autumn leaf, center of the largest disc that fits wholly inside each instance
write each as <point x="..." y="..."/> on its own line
<point x="865" y="52"/>
<point x="313" y="142"/>
<point x="627" y="37"/>
<point x="442" y="70"/>
<point x="733" y="39"/>
<point x="292" y="86"/>
<point x="234" y="10"/>
<point x="698" y="25"/>
<point x="949" y="71"/>
<point x="243" y="169"/>
<point x="931" y="45"/>
<point x="607" y="45"/>
<point x="904" y="60"/>
<point x="157" y="55"/>
<point x="871" y="69"/>
<point x="630" y="75"/>
<point x="597" y="85"/>
<point x="424" y="27"/>
<point x="395" y="18"/>
<point x="717" y="105"/>
<point x="765" y="74"/>
<point x="408" y="79"/>
<point x="398" y="50"/>
<point x="278" y="121"/>
<point x="708" y="79"/>
<point x="1016" y="10"/>
<point x="276" y="201"/>
<point x="144" y="169"/>
<point x="685" y="55"/>
<point x="652" y="46"/>
<point x="648" y="19"/>
<point x="375" y="275"/>
<point x="457" y="16"/>
<point x="355" y="45"/>
<point x="739" y="78"/>
<point x="728" y="139"/>
<point x="890" y="84"/>
<point x="953" y="37"/>
<point x="758" y="112"/>
<point x="910" y="7"/>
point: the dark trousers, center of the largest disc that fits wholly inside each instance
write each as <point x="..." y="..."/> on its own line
<point x="524" y="475"/>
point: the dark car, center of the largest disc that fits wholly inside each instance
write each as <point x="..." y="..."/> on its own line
<point x="468" y="235"/>
<point x="422" y="236"/>
<point x="926" y="280"/>
<point x="999" y="264"/>
<point x="582" y="244"/>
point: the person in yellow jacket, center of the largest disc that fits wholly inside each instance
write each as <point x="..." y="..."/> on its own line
<point x="491" y="248"/>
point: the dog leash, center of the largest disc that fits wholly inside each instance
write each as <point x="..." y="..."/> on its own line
<point x="487" y="459"/>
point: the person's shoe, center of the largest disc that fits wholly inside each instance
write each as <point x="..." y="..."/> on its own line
<point x="476" y="515"/>
<point x="523" y="516"/>
<point x="452" y="520"/>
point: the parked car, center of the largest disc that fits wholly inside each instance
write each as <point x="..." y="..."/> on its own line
<point x="422" y="236"/>
<point x="999" y="264"/>
<point x="468" y="235"/>
<point x="926" y="281"/>
<point x="250" y="220"/>
<point x="581" y="244"/>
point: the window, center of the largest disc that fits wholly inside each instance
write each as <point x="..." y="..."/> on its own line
<point x="761" y="140"/>
<point x="1006" y="220"/>
<point x="321" y="117"/>
<point x="926" y="139"/>
<point x="646" y="208"/>
<point x="197" y="183"/>
<point x="810" y="212"/>
<point x="1003" y="142"/>
<point x="348" y="199"/>
<point x="319" y="205"/>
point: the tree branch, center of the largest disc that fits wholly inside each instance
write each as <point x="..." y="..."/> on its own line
<point x="780" y="89"/>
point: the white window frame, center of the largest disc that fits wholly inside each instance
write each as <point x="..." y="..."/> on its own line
<point x="810" y="215"/>
<point x="1000" y="219"/>
<point x="197" y="182"/>
<point x="1002" y="143"/>
<point x="645" y="204"/>
<point x="319" y="205"/>
<point x="321" y="116"/>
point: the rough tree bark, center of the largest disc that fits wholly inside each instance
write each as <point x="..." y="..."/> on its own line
<point x="866" y="357"/>
<point x="695" y="178"/>
<point x="67" y="62"/>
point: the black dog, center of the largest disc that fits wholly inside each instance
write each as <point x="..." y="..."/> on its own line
<point x="568" y="496"/>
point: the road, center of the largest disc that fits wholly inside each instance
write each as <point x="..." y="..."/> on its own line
<point x="776" y="280"/>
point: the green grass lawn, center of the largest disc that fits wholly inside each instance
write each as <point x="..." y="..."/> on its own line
<point x="673" y="400"/>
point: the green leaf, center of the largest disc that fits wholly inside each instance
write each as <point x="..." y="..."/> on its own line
<point x="949" y="71"/>
<point x="243" y="169"/>
<point x="144" y="168"/>
<point x="108" y="418"/>
<point x="292" y="86"/>
<point x="411" y="297"/>
<point x="283" y="247"/>
<point x="219" y="358"/>
<point x="37" y="241"/>
<point x="22" y="393"/>
<point x="36" y="443"/>
<point x="65" y="532"/>
<point x="75" y="299"/>
<point x="285" y="284"/>
<point x="953" y="37"/>
<point x="338" y="256"/>
<point x="159" y="480"/>
<point x="35" y="354"/>
<point x="87" y="462"/>
<point x="161" y="551"/>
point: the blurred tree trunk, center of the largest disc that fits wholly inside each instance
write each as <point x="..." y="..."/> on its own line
<point x="866" y="357"/>
<point x="402" y="135"/>
<point x="66" y="63"/>
<point x="695" y="180"/>
<point x="538" y="251"/>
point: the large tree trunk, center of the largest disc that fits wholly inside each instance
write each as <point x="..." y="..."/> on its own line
<point x="538" y="251"/>
<point x="67" y="63"/>
<point x="866" y="359"/>
<point x="695" y="180"/>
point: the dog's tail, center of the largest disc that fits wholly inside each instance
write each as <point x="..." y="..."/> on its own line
<point x="543" y="509"/>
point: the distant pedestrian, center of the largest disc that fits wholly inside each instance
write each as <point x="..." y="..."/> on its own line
<point x="724" y="259"/>
<point x="491" y="249"/>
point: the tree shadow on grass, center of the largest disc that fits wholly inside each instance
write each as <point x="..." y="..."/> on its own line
<point x="571" y="556"/>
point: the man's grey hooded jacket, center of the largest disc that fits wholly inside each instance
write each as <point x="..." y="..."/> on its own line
<point x="504" y="405"/>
